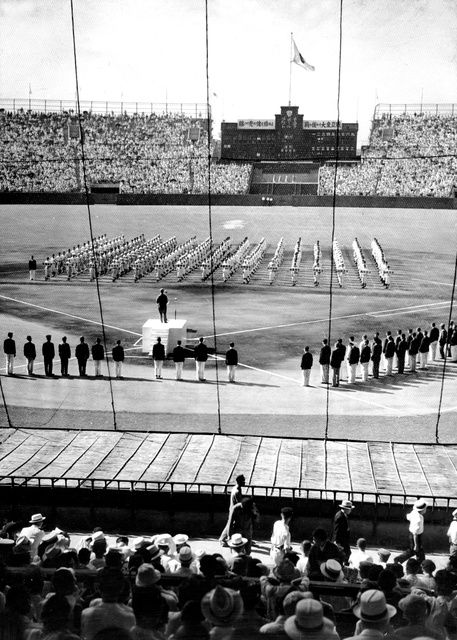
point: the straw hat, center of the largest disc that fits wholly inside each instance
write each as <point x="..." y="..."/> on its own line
<point x="331" y="569"/>
<point x="373" y="607"/>
<point x="37" y="518"/>
<point x="185" y="554"/>
<point x="22" y="545"/>
<point x="140" y="542"/>
<point x="308" y="621"/>
<point x="52" y="534"/>
<point x="222" y="606"/>
<point x="180" y="538"/>
<point x="236" y="541"/>
<point x="420" y="505"/>
<point x="154" y="551"/>
<point x="147" y="575"/>
<point x="346" y="504"/>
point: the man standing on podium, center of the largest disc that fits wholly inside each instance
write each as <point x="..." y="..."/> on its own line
<point x="162" y="302"/>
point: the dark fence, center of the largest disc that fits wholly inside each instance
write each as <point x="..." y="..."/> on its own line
<point x="246" y="200"/>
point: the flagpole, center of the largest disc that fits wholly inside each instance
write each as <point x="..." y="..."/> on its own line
<point x="290" y="69"/>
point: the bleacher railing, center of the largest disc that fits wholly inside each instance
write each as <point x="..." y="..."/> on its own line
<point x="192" y="109"/>
<point x="377" y="499"/>
<point x="433" y="109"/>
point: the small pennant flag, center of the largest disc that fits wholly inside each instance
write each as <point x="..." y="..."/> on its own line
<point x="299" y="59"/>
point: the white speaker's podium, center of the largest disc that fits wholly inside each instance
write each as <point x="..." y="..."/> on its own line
<point x="169" y="333"/>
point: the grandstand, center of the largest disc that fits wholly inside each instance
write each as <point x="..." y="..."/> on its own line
<point x="138" y="152"/>
<point x="412" y="152"/>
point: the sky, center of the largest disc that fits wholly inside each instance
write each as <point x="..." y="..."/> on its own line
<point x="393" y="51"/>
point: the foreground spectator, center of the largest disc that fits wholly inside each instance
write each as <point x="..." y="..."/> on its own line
<point x="309" y="622"/>
<point x="374" y="615"/>
<point x="222" y="607"/>
<point x="109" y="612"/>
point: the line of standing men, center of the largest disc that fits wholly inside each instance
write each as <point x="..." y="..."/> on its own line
<point x="404" y="350"/>
<point x="200" y="355"/>
<point x="82" y="354"/>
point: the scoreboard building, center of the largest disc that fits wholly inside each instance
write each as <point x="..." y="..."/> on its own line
<point x="288" y="137"/>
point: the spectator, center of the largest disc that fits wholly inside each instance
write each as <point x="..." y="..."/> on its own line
<point x="222" y="607"/>
<point x="309" y="622"/>
<point x="151" y="613"/>
<point x="321" y="551"/>
<point x="415" y="611"/>
<point x="109" y="612"/>
<point x="359" y="554"/>
<point x="374" y="615"/>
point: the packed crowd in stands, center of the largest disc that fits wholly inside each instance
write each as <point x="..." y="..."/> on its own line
<point x="408" y="155"/>
<point x="54" y="586"/>
<point x="142" y="153"/>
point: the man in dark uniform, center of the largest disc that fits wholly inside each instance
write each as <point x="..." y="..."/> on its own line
<point x="402" y="347"/>
<point x="82" y="356"/>
<point x="179" y="355"/>
<point x="30" y="354"/>
<point x="48" y="352"/>
<point x="341" y="528"/>
<point x="443" y="340"/>
<point x="158" y="355"/>
<point x="353" y="359"/>
<point x="201" y="356"/>
<point x="433" y="335"/>
<point x="231" y="362"/>
<point x="336" y="358"/>
<point x="376" y="352"/>
<point x="64" y="355"/>
<point x="413" y="351"/>
<point x="98" y="355"/>
<point x="9" y="349"/>
<point x="305" y="365"/>
<point x="324" y="361"/>
<point x="423" y="350"/>
<point x="365" y="355"/>
<point x="389" y="353"/>
<point x="342" y="348"/>
<point x="162" y="302"/>
<point x="118" y="357"/>
<point x="32" y="268"/>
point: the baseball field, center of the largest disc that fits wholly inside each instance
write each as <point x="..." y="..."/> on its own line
<point x="270" y="325"/>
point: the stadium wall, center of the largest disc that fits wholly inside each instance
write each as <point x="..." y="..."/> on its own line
<point x="206" y="514"/>
<point x="248" y="200"/>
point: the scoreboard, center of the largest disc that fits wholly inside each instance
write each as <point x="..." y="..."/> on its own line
<point x="288" y="137"/>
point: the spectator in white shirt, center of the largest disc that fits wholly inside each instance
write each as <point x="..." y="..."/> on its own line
<point x="452" y="534"/>
<point x="280" y="538"/>
<point x="360" y="554"/>
<point x="303" y="561"/>
<point x="416" y="530"/>
<point x="34" y="533"/>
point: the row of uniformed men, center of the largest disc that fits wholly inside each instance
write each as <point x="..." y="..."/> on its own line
<point x="82" y="354"/>
<point x="403" y="350"/>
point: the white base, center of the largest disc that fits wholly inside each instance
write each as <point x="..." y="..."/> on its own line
<point x="169" y="332"/>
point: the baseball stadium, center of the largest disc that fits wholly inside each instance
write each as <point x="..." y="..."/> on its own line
<point x="276" y="237"/>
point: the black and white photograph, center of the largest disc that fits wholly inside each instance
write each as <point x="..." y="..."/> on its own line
<point x="228" y="269"/>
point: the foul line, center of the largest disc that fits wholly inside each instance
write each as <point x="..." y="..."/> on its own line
<point x="373" y="314"/>
<point x="62" y="313"/>
<point x="448" y="284"/>
<point x="400" y="310"/>
<point x="283" y="326"/>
